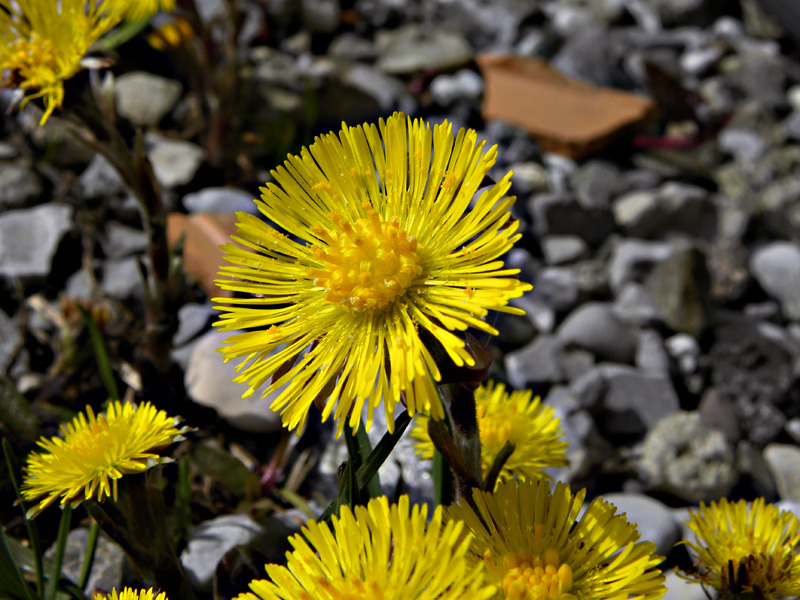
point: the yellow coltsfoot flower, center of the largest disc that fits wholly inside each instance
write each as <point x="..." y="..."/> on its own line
<point x="131" y="594"/>
<point x="42" y="43"/>
<point x="535" y="547"/>
<point x="748" y="551"/>
<point x="378" y="241"/>
<point x="515" y="417"/>
<point x="380" y="552"/>
<point x="142" y="9"/>
<point x="95" y="451"/>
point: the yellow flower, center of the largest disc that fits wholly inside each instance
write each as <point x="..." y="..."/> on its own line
<point x="42" y="43"/>
<point x="380" y="242"/>
<point x="142" y="9"/>
<point x="746" y="551"/>
<point x="535" y="547"/>
<point x="130" y="594"/>
<point x="95" y="451"/>
<point x="514" y="417"/>
<point x="379" y="553"/>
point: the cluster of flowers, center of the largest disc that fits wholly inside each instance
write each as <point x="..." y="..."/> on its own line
<point x="382" y="239"/>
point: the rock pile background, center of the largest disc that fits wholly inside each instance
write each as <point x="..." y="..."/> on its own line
<point x="664" y="325"/>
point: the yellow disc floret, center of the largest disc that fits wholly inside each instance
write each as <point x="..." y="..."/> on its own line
<point x="538" y="577"/>
<point x="366" y="264"/>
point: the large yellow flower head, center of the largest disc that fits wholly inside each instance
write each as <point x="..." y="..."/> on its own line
<point x="746" y="551"/>
<point x="535" y="547"/>
<point x="379" y="241"/>
<point x="381" y="552"/>
<point x="95" y="451"/>
<point x="515" y="417"/>
<point x="42" y="43"/>
<point x="131" y="594"/>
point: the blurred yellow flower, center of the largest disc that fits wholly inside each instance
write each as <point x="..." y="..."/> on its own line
<point x="142" y="9"/>
<point x="746" y="551"/>
<point x="381" y="552"/>
<point x="514" y="417"/>
<point x="534" y="546"/>
<point x="42" y="43"/>
<point x="130" y="594"/>
<point x="379" y="241"/>
<point x="95" y="451"/>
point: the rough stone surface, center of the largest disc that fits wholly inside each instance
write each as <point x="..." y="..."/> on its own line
<point x="595" y="327"/>
<point x="653" y="520"/>
<point x="784" y="462"/>
<point x="144" y="98"/>
<point x="19" y="185"/>
<point x="412" y="48"/>
<point x="121" y="240"/>
<point x="776" y="267"/>
<point x="220" y="200"/>
<point x="685" y="458"/>
<point x="680" y="589"/>
<point x="535" y="363"/>
<point x="99" y="180"/>
<point x="209" y="541"/>
<point x="209" y="382"/>
<point x="109" y="560"/>
<point x="10" y="341"/>
<point x="175" y="162"/>
<point x="29" y="238"/>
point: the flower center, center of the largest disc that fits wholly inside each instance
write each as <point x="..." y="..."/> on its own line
<point x="34" y="58"/>
<point x="366" y="264"/>
<point x="537" y="577"/>
<point x="494" y="431"/>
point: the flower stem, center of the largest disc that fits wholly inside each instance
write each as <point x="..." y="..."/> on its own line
<point x="61" y="544"/>
<point x="88" y="557"/>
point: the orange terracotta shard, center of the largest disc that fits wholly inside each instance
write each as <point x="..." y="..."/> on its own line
<point x="202" y="256"/>
<point x="566" y="116"/>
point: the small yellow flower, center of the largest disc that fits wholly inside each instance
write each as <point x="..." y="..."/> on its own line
<point x="379" y="553"/>
<point x="42" y="43"/>
<point x="514" y="417"/>
<point x="746" y="551"/>
<point x="378" y="241"/>
<point x="534" y="546"/>
<point x="95" y="451"/>
<point x="130" y="594"/>
<point x="142" y="9"/>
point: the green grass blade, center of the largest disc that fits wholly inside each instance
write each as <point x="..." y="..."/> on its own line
<point x="61" y="544"/>
<point x="11" y="581"/>
<point x="101" y="354"/>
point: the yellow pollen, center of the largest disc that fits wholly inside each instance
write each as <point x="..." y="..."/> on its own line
<point x="34" y="58"/>
<point x="537" y="577"/>
<point x="366" y="264"/>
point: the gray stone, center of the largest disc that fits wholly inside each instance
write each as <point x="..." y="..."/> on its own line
<point x="651" y="357"/>
<point x="638" y="212"/>
<point x="556" y="287"/>
<point x="143" y="98"/>
<point x="29" y="238"/>
<point x="464" y="85"/>
<point x="718" y="412"/>
<point x="634" y="304"/>
<point x="776" y="267"/>
<point x="679" y="286"/>
<point x="784" y="462"/>
<point x="536" y="363"/>
<point x="745" y="146"/>
<point x="587" y="55"/>
<point x="679" y="588"/>
<point x="220" y="200"/>
<point x="108" y="566"/>
<point x="653" y="520"/>
<point x="685" y="458"/>
<point x="19" y="185"/>
<point x="698" y="60"/>
<point x="633" y="261"/>
<point x="209" y="541"/>
<point x="121" y="240"/>
<point x="595" y="327"/>
<point x="560" y="249"/>
<point x="175" y="162"/>
<point x="209" y="381"/>
<point x="596" y="183"/>
<point x="192" y="319"/>
<point x="122" y="278"/>
<point x="529" y="177"/>
<point x="514" y="330"/>
<point x="789" y="506"/>
<point x="321" y="15"/>
<point x="8" y="151"/>
<point x="100" y="180"/>
<point x="10" y="341"/>
<point x="349" y="46"/>
<point x="557" y="214"/>
<point x="413" y="48"/>
<point x="634" y="402"/>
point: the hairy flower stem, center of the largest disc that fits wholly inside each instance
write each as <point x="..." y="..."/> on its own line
<point x="94" y="125"/>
